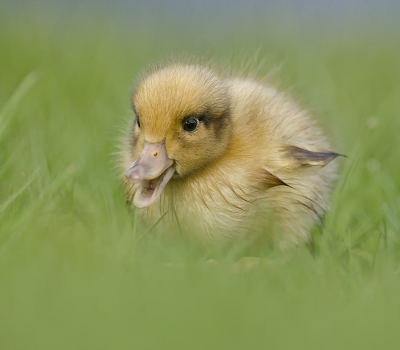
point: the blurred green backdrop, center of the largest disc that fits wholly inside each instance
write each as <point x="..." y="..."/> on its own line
<point x="73" y="273"/>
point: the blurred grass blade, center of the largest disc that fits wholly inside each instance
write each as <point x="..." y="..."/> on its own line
<point x="12" y="104"/>
<point x="152" y="227"/>
<point x="59" y="181"/>
<point x="15" y="195"/>
<point x="178" y="223"/>
<point x="48" y="192"/>
<point x="8" y="161"/>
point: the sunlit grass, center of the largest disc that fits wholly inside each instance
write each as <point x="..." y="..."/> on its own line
<point x="76" y="271"/>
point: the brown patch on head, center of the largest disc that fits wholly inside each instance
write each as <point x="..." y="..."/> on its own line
<point x="220" y="124"/>
<point x="305" y="158"/>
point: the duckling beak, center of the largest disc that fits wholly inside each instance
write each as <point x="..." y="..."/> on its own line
<point x="153" y="169"/>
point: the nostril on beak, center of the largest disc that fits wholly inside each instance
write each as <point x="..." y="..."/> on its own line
<point x="135" y="174"/>
<point x="155" y="154"/>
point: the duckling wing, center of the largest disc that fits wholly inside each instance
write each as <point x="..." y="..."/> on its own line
<point x="305" y="158"/>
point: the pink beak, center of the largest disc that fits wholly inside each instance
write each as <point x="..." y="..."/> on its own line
<point x="153" y="169"/>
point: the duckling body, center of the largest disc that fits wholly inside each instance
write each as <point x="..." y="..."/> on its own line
<point x="218" y="153"/>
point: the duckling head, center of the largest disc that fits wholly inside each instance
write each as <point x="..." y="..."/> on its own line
<point x="182" y="125"/>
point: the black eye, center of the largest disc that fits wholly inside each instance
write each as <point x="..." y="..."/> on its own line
<point x="190" y="124"/>
<point x="138" y="122"/>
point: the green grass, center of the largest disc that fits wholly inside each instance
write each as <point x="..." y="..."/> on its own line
<point x="73" y="271"/>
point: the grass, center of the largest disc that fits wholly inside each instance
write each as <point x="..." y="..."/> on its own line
<point x="74" y="272"/>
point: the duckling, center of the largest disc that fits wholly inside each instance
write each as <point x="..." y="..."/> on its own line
<point x="211" y="154"/>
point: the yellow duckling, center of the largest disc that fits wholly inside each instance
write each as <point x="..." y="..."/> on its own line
<point x="216" y="153"/>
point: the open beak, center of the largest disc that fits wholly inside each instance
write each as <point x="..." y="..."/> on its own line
<point x="153" y="169"/>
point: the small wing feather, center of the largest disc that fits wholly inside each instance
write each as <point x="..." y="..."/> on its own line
<point x="268" y="180"/>
<point x="305" y="158"/>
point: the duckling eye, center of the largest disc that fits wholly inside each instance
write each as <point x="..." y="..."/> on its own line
<point x="138" y="122"/>
<point x="190" y="124"/>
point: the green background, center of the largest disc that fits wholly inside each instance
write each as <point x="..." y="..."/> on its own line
<point x="74" y="273"/>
